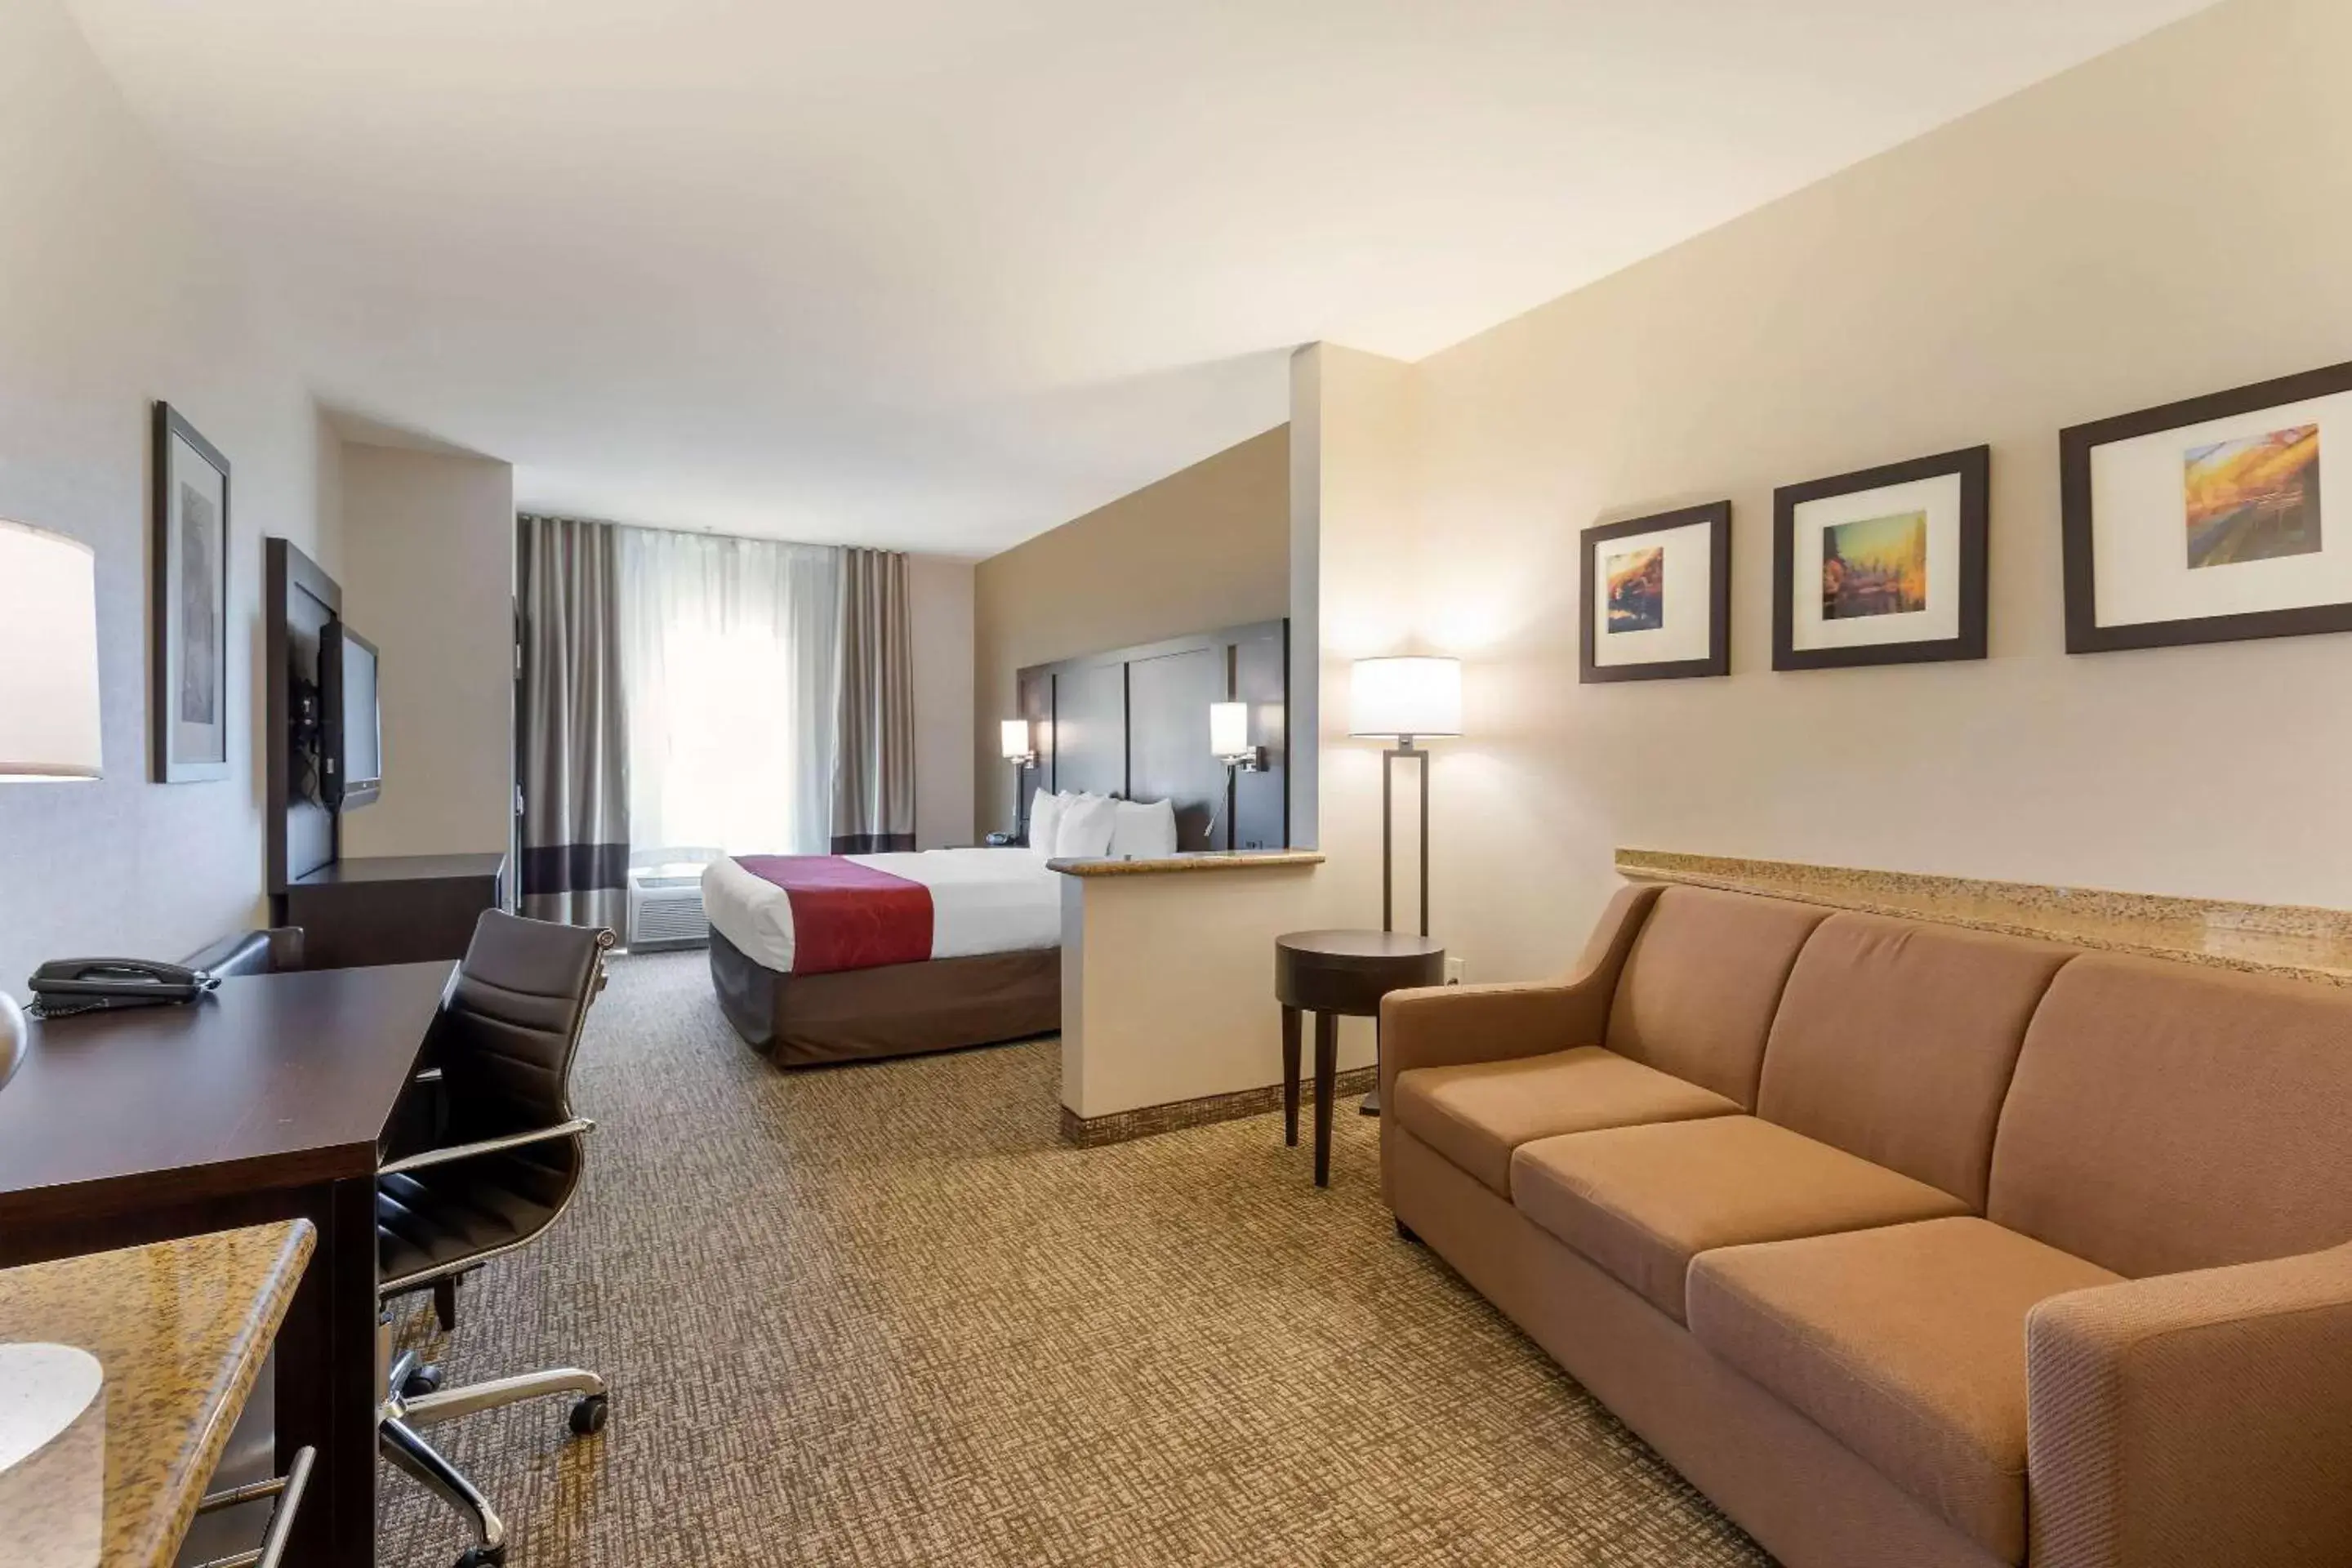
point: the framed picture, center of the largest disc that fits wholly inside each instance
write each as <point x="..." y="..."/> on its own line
<point x="2208" y="520"/>
<point x="1656" y="602"/>
<point x="189" y="614"/>
<point x="1884" y="566"/>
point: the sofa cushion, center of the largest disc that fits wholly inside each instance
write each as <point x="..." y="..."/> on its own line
<point x="1697" y="992"/>
<point x="2165" y="1116"/>
<point x="1476" y="1114"/>
<point x="1895" y="1041"/>
<point x="1906" y="1343"/>
<point x="1642" y="1202"/>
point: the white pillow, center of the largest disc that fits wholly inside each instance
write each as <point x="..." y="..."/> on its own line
<point x="1084" y="831"/>
<point x="1044" y="811"/>
<point x="1144" y="830"/>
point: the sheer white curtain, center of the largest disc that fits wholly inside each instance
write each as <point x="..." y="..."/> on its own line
<point x="729" y="654"/>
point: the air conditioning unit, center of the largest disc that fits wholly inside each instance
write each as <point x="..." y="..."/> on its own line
<point x="665" y="909"/>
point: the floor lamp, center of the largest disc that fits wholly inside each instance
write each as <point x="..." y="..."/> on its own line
<point x="48" y="682"/>
<point x="1405" y="700"/>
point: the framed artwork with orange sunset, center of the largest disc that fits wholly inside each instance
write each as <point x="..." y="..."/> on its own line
<point x="1884" y="565"/>
<point x="2208" y="520"/>
<point x="1657" y="603"/>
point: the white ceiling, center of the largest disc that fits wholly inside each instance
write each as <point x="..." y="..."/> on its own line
<point x="940" y="274"/>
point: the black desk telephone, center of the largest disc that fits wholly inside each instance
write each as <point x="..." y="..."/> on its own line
<point x="73" y="985"/>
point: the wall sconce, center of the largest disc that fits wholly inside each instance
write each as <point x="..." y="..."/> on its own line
<point x="1014" y="742"/>
<point x="1229" y="740"/>
<point x="1013" y="733"/>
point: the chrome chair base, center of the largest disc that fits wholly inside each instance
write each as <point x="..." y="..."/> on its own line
<point x="399" y="1422"/>
<point x="425" y="1465"/>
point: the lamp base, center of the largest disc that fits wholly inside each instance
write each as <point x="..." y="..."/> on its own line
<point x="1404" y="750"/>
<point x="1021" y="766"/>
<point x="14" y="1037"/>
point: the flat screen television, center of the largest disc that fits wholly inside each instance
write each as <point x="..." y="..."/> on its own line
<point x="350" y="771"/>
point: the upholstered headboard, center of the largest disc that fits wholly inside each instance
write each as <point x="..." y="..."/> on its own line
<point x="1134" y="723"/>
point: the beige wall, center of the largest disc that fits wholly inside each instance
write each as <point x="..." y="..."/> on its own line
<point x="1366" y="494"/>
<point x="113" y="292"/>
<point x="1205" y="547"/>
<point x="428" y="577"/>
<point x="940" y="604"/>
<point x="2170" y="220"/>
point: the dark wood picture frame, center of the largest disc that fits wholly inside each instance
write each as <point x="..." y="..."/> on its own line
<point x="1973" y="466"/>
<point x="1717" y="516"/>
<point x="164" y="627"/>
<point x="2075" y="444"/>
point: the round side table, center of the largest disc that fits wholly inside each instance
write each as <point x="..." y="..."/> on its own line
<point x="1331" y="973"/>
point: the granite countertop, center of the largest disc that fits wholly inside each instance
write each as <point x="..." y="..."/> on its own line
<point x="2290" y="940"/>
<point x="1198" y="860"/>
<point x="180" y="1329"/>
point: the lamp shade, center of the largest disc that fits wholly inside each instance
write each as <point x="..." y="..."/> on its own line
<point x="1228" y="728"/>
<point x="48" y="656"/>
<point x="1392" y="697"/>
<point x="1015" y="734"/>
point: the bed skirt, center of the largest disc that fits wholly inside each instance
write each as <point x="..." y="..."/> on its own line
<point x="899" y="1009"/>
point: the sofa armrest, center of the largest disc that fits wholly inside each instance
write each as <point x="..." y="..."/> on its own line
<point x="2196" y="1420"/>
<point x="1445" y="1025"/>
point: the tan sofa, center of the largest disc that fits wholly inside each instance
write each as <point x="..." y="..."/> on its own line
<point x="1909" y="1244"/>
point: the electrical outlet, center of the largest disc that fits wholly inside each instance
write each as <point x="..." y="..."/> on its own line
<point x="1454" y="971"/>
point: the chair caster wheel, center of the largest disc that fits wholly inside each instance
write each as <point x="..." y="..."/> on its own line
<point x="483" y="1557"/>
<point x="425" y="1379"/>
<point x="588" y="1415"/>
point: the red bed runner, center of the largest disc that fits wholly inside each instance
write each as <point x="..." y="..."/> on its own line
<point x="846" y="915"/>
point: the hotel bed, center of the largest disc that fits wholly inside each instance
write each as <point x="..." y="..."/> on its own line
<point x="831" y="958"/>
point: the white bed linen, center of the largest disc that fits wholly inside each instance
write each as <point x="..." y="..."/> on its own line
<point x="983" y="900"/>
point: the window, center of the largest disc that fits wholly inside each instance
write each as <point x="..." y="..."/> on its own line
<point x="728" y="664"/>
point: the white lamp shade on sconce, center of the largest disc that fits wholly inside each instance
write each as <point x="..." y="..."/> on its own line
<point x="1014" y="734"/>
<point x="1393" y="698"/>
<point x="1228" y="728"/>
<point x="48" y="656"/>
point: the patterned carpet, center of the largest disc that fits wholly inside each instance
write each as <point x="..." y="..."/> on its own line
<point x="881" y="1314"/>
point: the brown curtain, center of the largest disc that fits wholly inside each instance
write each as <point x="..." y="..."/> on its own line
<point x="574" y="761"/>
<point x="873" y="761"/>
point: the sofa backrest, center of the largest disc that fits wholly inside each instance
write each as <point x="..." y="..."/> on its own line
<point x="1895" y="1041"/>
<point x="2166" y="1116"/>
<point x="1700" y="984"/>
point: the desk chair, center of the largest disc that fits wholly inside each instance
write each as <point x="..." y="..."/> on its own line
<point x="505" y="1041"/>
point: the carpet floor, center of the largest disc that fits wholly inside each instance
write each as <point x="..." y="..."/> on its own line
<point x="881" y="1314"/>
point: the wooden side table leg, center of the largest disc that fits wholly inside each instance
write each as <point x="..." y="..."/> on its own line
<point x="1290" y="1077"/>
<point x="1371" y="1102"/>
<point x="1326" y="1076"/>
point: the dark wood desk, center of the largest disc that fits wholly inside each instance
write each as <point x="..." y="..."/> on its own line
<point x="392" y="908"/>
<point x="267" y="1101"/>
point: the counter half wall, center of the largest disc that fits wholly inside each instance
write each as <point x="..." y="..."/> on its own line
<point x="1168" y="1013"/>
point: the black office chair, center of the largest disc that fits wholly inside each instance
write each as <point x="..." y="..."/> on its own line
<point x="504" y="1044"/>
